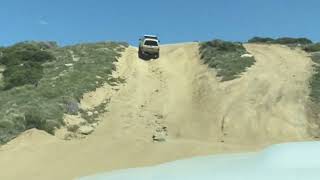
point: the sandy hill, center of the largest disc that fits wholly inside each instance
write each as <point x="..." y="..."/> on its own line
<point x="172" y="108"/>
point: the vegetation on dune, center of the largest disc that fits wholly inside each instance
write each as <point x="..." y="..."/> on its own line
<point x="312" y="47"/>
<point x="287" y="40"/>
<point x="315" y="91"/>
<point x="261" y="40"/>
<point x="314" y="50"/>
<point x="42" y="81"/>
<point x="23" y="63"/>
<point x="314" y="84"/>
<point x="226" y="58"/>
<point x="282" y="40"/>
<point x="315" y="80"/>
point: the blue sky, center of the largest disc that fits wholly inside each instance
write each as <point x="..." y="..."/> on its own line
<point x="74" y="21"/>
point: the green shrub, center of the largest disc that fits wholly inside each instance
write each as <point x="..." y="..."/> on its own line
<point x="288" y="40"/>
<point x="48" y="89"/>
<point x="23" y="64"/>
<point x="282" y="40"/>
<point x="312" y="47"/>
<point x="261" y="40"/>
<point x="315" y="80"/>
<point x="315" y="91"/>
<point x="226" y="58"/>
<point x="73" y="128"/>
<point x="23" y="52"/>
<point x="27" y="73"/>
<point x="4" y="124"/>
<point x="34" y="119"/>
<point x="220" y="45"/>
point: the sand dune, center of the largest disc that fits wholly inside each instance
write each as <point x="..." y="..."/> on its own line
<point x="179" y="100"/>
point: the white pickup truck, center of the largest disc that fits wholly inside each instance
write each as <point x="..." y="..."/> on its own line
<point x="149" y="47"/>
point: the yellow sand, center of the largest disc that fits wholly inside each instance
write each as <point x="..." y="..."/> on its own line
<point x="203" y="116"/>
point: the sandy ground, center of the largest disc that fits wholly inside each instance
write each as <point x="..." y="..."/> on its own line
<point x="200" y="114"/>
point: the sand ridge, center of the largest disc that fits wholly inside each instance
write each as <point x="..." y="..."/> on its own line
<point x="180" y="100"/>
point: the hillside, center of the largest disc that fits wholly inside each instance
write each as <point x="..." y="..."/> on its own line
<point x="172" y="108"/>
<point x="41" y="82"/>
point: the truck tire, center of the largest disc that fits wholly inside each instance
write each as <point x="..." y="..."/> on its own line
<point x="140" y="53"/>
<point x="156" y="56"/>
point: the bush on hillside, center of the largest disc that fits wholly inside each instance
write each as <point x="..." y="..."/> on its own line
<point x="312" y="47"/>
<point x="220" y="45"/>
<point x="315" y="90"/>
<point x="288" y="40"/>
<point x="282" y="40"/>
<point x="60" y="88"/>
<point x="261" y="40"/>
<point x="27" y="73"/>
<point x="24" y="52"/>
<point x="23" y="63"/>
<point x="226" y="58"/>
<point x="34" y="119"/>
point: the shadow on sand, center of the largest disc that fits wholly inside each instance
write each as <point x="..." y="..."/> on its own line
<point x="146" y="57"/>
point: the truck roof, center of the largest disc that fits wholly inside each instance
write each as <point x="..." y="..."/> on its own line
<point x="150" y="36"/>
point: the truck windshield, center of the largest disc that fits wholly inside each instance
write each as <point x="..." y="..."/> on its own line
<point x="151" y="43"/>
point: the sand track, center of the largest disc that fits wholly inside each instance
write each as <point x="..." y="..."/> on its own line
<point x="201" y="115"/>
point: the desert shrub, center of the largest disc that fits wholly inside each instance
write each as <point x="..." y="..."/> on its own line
<point x="315" y="91"/>
<point x="282" y="40"/>
<point x="4" y="124"/>
<point x="220" y="45"/>
<point x="23" y="63"/>
<point x="288" y="40"/>
<point x="261" y="40"/>
<point x="226" y="58"/>
<point x="42" y="103"/>
<point x="73" y="128"/>
<point x="24" y="52"/>
<point x="8" y="134"/>
<point x="34" y="119"/>
<point x="28" y="73"/>
<point x="315" y="80"/>
<point x="312" y="47"/>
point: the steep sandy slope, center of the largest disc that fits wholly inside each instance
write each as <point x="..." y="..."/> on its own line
<point x="265" y="105"/>
<point x="178" y="99"/>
